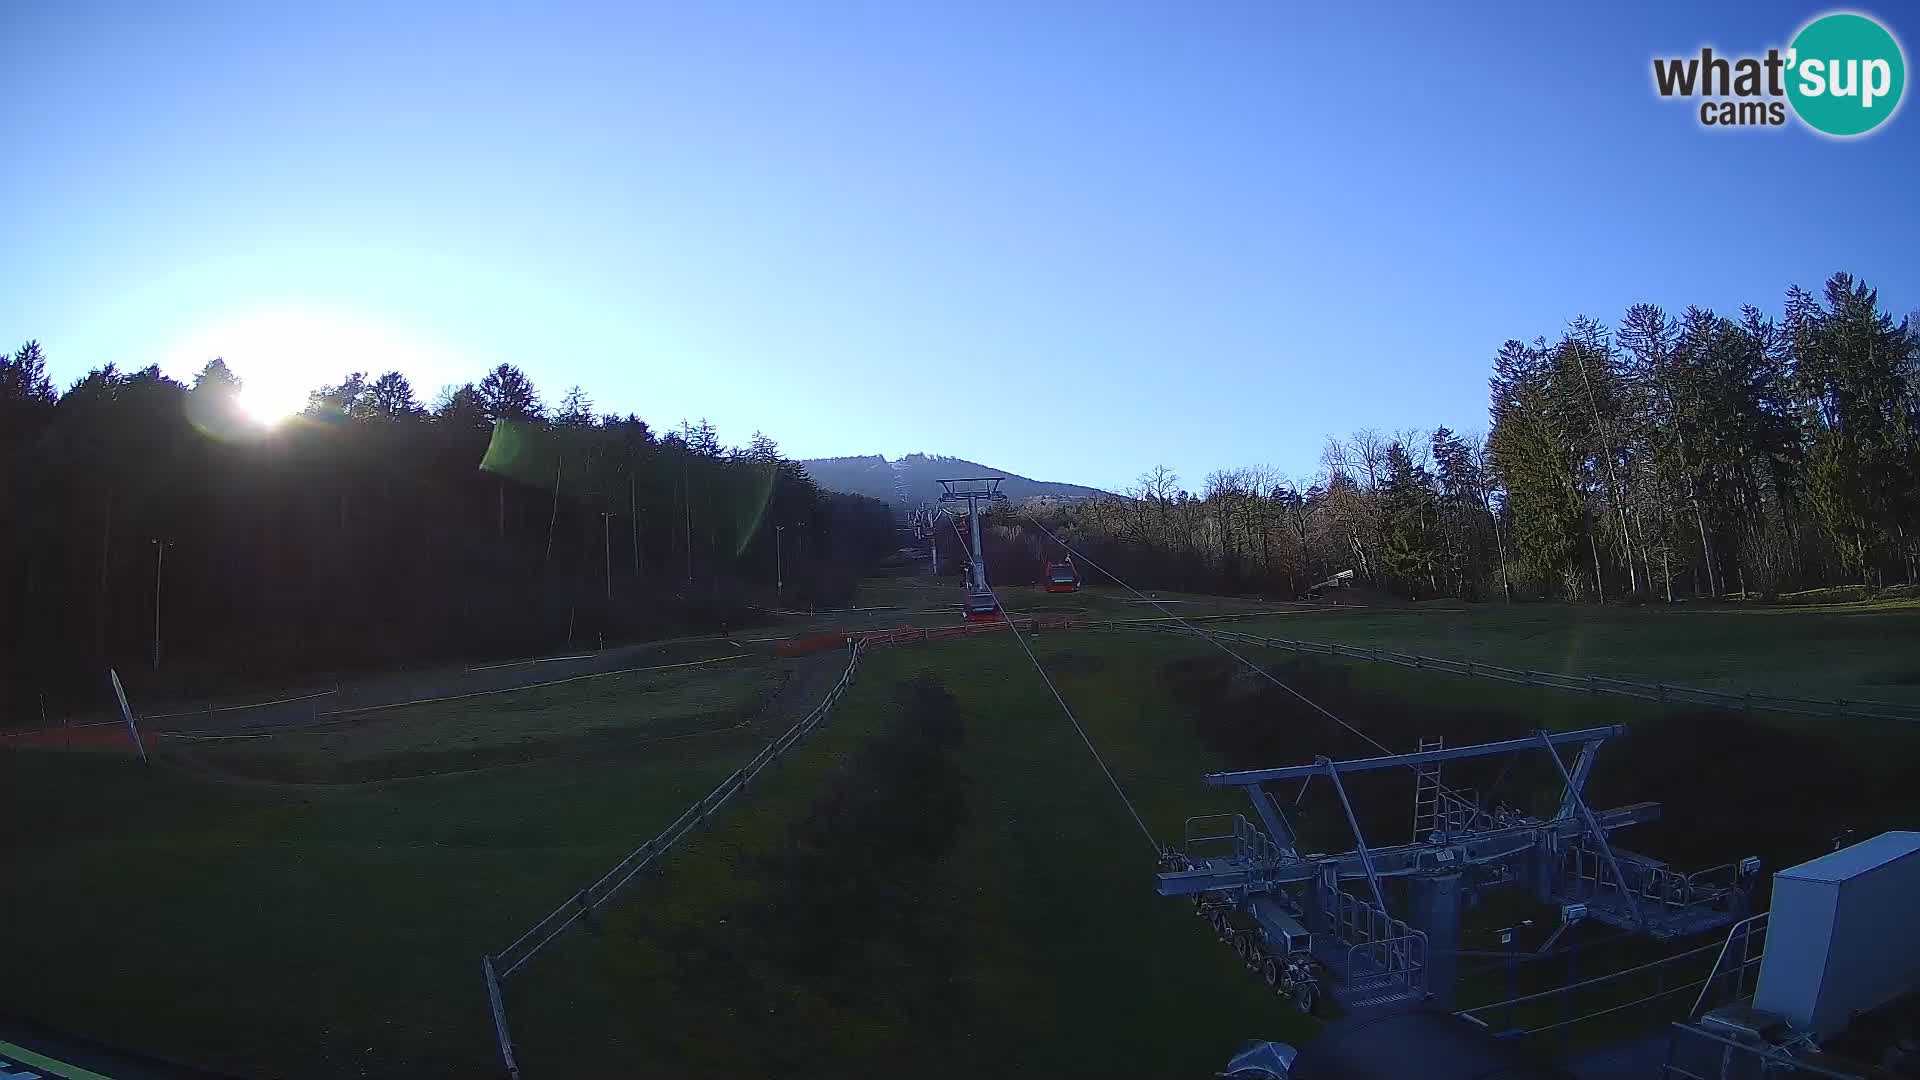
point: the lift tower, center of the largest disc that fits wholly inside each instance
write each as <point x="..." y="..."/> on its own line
<point x="926" y="526"/>
<point x="979" y="605"/>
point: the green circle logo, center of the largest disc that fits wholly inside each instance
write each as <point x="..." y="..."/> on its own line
<point x="1845" y="74"/>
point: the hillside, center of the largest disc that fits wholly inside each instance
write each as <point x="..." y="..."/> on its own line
<point x="915" y="478"/>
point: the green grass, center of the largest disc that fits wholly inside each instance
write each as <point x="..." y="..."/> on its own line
<point x="1865" y="655"/>
<point x="602" y="712"/>
<point x="309" y="931"/>
<point x="336" y="929"/>
<point x="1070" y="965"/>
<point x="1067" y="963"/>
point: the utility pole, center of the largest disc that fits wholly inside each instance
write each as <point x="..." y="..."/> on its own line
<point x="159" y="559"/>
<point x="686" y="504"/>
<point x="779" y="577"/>
<point x="633" y="516"/>
<point x="606" y="549"/>
<point x="555" y="514"/>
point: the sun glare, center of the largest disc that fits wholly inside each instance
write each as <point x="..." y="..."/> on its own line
<point x="267" y="405"/>
<point x="282" y="355"/>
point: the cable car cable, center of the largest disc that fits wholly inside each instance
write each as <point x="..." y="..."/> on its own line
<point x="1072" y="719"/>
<point x="1270" y="677"/>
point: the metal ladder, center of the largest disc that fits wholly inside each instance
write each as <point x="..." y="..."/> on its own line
<point x="1426" y="790"/>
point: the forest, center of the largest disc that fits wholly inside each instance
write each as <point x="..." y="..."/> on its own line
<point x="154" y="529"/>
<point x="151" y="527"/>
<point x="1662" y="458"/>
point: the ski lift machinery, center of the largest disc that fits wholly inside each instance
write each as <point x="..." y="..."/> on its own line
<point x="1294" y="916"/>
<point x="978" y="604"/>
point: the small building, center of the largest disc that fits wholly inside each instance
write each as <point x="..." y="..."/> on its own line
<point x="1843" y="936"/>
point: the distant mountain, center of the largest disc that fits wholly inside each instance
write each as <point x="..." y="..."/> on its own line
<point x="914" y="479"/>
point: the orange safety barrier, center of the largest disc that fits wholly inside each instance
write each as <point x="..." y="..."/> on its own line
<point x="899" y="635"/>
<point x="812" y="643"/>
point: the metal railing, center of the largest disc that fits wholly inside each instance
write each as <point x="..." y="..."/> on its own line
<point x="1380" y="948"/>
<point x="1646" y="882"/>
<point x="1242" y="841"/>
<point x="587" y="902"/>
<point x="1397" y="964"/>
<point x="1727" y="982"/>
<point x="1697" y="1054"/>
<point x="1655" y="972"/>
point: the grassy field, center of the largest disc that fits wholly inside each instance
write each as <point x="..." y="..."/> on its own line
<point x="1871" y="654"/>
<point x="334" y="929"/>
<point x="942" y="876"/>
<point x="1047" y="953"/>
<point x="603" y="713"/>
<point x="1065" y="963"/>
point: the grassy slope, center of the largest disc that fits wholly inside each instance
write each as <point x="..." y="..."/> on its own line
<point x="1860" y="651"/>
<point x="1069" y="964"/>
<point x="1072" y="966"/>
<point x="315" y="932"/>
<point x="1862" y="654"/>
<point x="307" y="931"/>
<point x="600" y="713"/>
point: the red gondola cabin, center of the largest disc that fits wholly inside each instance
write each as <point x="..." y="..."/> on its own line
<point x="980" y="607"/>
<point x="1061" y="576"/>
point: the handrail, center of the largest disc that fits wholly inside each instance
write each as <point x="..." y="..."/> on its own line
<point x="1746" y="929"/>
<point x="1403" y="955"/>
<point x="1765" y="1054"/>
<point x="586" y="902"/>
<point x="1595" y="981"/>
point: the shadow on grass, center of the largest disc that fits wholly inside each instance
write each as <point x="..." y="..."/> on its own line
<point x="844" y="917"/>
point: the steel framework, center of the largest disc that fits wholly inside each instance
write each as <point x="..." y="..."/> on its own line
<point x="973" y="491"/>
<point x="1460" y="846"/>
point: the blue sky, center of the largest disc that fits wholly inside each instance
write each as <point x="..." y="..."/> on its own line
<point x="1070" y="239"/>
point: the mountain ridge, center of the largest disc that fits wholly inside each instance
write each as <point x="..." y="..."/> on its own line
<point x="911" y="480"/>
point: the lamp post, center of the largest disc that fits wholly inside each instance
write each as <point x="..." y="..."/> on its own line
<point x="159" y="560"/>
<point x="606" y="549"/>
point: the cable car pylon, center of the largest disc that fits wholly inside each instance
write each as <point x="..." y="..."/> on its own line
<point x="978" y="604"/>
<point x="926" y="527"/>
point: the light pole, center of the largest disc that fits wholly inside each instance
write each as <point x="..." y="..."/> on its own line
<point x="607" y="550"/>
<point x="779" y="576"/>
<point x="159" y="560"/>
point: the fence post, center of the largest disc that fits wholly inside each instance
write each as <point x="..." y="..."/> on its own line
<point x="499" y="1018"/>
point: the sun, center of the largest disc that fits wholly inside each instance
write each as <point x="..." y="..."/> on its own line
<point x="269" y="405"/>
<point x="282" y="354"/>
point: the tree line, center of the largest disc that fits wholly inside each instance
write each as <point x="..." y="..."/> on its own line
<point x="1665" y="457"/>
<point x="151" y="527"/>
